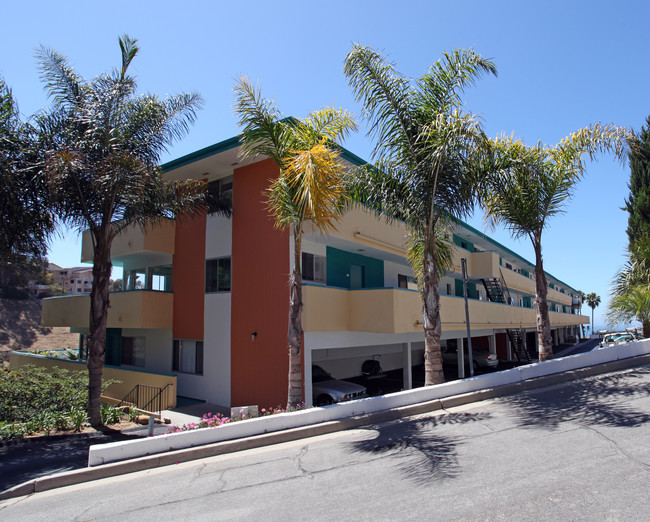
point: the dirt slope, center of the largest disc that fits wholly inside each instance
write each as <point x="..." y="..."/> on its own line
<point x="20" y="329"/>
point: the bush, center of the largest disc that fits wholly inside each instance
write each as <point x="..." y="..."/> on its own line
<point x="31" y="392"/>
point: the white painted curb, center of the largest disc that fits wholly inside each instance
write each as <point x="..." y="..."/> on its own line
<point x="116" y="451"/>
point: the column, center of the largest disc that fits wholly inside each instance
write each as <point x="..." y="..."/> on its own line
<point x="461" y="358"/>
<point x="492" y="343"/>
<point x="309" y="398"/>
<point x="407" y="366"/>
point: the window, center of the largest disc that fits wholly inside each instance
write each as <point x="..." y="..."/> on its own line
<point x="404" y="281"/>
<point x="508" y="265"/>
<point x="188" y="356"/>
<point x="217" y="275"/>
<point x="313" y="268"/>
<point x="448" y="288"/>
<point x="219" y="196"/>
<point x="133" y="351"/>
<point x="135" y="279"/>
<point x="160" y="278"/>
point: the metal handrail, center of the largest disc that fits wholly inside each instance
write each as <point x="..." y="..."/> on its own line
<point x="143" y="396"/>
<point x="505" y="286"/>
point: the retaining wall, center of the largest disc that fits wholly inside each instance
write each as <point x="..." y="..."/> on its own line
<point x="116" y="451"/>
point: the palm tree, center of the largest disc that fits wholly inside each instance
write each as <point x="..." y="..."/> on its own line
<point x="634" y="305"/>
<point x="309" y="189"/>
<point x="593" y="301"/>
<point x="526" y="186"/>
<point x="636" y="270"/>
<point x="426" y="156"/>
<point x="25" y="218"/>
<point x="102" y="144"/>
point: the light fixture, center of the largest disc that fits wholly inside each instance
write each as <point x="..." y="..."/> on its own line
<point x="253" y="336"/>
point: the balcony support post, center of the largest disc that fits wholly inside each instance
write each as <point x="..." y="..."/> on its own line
<point x="461" y="357"/>
<point x="309" y="396"/>
<point x="407" y="366"/>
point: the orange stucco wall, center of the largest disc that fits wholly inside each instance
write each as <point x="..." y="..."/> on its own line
<point x="260" y="293"/>
<point x="188" y="277"/>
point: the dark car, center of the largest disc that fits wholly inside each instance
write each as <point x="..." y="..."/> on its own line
<point x="328" y="390"/>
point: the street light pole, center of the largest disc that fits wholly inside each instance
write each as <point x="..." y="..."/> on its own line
<point x="463" y="263"/>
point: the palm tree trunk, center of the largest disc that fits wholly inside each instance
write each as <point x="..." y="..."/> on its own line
<point x="294" y="336"/>
<point x="646" y="329"/>
<point x="433" y="373"/>
<point x="99" y="304"/>
<point x="592" y="320"/>
<point x="543" y="320"/>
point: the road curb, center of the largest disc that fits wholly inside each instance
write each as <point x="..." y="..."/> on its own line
<point x="73" y="477"/>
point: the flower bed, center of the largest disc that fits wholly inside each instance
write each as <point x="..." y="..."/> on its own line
<point x="214" y="420"/>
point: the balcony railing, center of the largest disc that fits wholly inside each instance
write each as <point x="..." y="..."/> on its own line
<point x="396" y="310"/>
<point x="132" y="309"/>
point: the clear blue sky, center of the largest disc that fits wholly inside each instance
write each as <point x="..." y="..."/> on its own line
<point x="562" y="66"/>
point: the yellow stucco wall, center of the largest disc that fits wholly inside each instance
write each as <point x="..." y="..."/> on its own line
<point x="133" y="240"/>
<point x="136" y="309"/>
<point x="129" y="378"/>
<point x="391" y="310"/>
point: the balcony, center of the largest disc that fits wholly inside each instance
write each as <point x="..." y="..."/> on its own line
<point x="133" y="241"/>
<point x="134" y="309"/>
<point x="393" y="310"/>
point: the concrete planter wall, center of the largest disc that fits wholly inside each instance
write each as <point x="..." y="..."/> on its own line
<point x="116" y="451"/>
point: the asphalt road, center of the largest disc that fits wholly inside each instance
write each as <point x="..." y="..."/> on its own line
<point x="576" y="451"/>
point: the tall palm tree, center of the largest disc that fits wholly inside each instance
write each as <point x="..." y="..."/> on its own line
<point x="309" y="189"/>
<point x="25" y="218"/>
<point x="636" y="270"/>
<point x="593" y="301"/>
<point x="526" y="186"/>
<point x="102" y="143"/>
<point x="426" y="156"/>
<point x="634" y="305"/>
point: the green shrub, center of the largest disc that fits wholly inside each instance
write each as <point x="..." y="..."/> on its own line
<point x="110" y="414"/>
<point x="31" y="393"/>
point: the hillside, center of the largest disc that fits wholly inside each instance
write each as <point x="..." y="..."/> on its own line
<point x="20" y="329"/>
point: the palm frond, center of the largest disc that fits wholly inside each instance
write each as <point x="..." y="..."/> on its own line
<point x="62" y="84"/>
<point x="262" y="131"/>
<point x="385" y="95"/>
<point x="447" y="79"/>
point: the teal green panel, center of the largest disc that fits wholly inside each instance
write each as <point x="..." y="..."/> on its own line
<point x="525" y="273"/>
<point x="471" y="289"/>
<point x="338" y="269"/>
<point x="113" y="354"/>
<point x="463" y="243"/>
<point x="527" y="303"/>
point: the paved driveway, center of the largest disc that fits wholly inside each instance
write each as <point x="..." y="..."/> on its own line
<point x="575" y="451"/>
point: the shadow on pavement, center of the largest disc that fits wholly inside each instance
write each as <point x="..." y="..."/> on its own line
<point x="422" y="456"/>
<point x="589" y="402"/>
<point x="27" y="459"/>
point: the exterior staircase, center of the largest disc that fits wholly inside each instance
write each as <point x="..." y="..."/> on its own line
<point x="497" y="291"/>
<point x="518" y="343"/>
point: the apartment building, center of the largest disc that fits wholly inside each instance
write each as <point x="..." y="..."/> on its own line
<point x="73" y="281"/>
<point x="207" y="299"/>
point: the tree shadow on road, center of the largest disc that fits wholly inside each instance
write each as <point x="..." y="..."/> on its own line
<point x="594" y="401"/>
<point x="26" y="459"/>
<point x="422" y="455"/>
